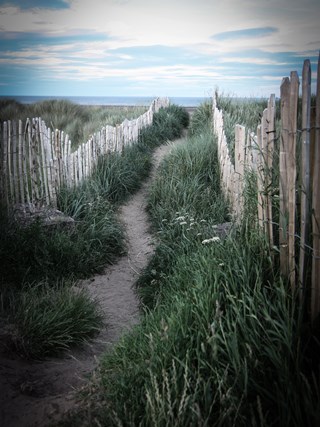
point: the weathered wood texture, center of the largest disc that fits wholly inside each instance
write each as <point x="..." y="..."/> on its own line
<point x="36" y="161"/>
<point x="298" y="180"/>
<point x="251" y="152"/>
<point x="315" y="287"/>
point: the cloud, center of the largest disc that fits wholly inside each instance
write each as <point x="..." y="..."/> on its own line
<point x="247" y="33"/>
<point x="30" y="4"/>
<point x="250" y="60"/>
<point x="157" y="44"/>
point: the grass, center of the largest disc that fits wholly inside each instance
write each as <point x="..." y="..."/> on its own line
<point x="201" y="118"/>
<point x="48" y="320"/>
<point x="78" y="121"/>
<point x="221" y="342"/>
<point x="245" y="112"/>
<point x="34" y="254"/>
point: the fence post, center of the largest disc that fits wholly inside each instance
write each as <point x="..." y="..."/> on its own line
<point x="5" y="164"/>
<point x="289" y="107"/>
<point x="260" y="177"/>
<point x="14" y="162"/>
<point x="305" y="172"/>
<point x="315" y="287"/>
<point x="292" y="173"/>
<point x="240" y="144"/>
<point x="269" y="153"/>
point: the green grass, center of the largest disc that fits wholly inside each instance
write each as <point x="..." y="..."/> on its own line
<point x="78" y="121"/>
<point x="35" y="254"/>
<point x="245" y="112"/>
<point x="48" y="320"/>
<point x="201" y="118"/>
<point x="221" y="342"/>
<point x="30" y="254"/>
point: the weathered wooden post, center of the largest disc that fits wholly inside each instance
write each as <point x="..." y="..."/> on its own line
<point x="305" y="172"/>
<point x="315" y="291"/>
<point x="289" y="105"/>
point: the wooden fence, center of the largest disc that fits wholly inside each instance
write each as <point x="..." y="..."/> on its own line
<point x="36" y="161"/>
<point x="297" y="230"/>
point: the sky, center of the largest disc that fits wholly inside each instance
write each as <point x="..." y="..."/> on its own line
<point x="154" y="47"/>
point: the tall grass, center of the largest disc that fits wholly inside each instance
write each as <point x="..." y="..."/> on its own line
<point x="34" y="254"/>
<point x="245" y="112"/>
<point x="220" y="343"/>
<point x="47" y="320"/>
<point x="201" y="118"/>
<point x="78" y="121"/>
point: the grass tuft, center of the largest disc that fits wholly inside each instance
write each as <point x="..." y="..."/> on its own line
<point x="50" y="319"/>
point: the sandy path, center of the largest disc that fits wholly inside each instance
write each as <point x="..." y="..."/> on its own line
<point x="33" y="394"/>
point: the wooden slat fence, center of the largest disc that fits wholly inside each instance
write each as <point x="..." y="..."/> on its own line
<point x="298" y="224"/>
<point x="36" y="161"/>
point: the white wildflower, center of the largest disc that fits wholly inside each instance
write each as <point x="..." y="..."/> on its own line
<point x="213" y="239"/>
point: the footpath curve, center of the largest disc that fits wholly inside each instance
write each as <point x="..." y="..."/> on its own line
<point x="35" y="394"/>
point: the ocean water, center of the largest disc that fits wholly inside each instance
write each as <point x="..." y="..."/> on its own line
<point x="110" y="100"/>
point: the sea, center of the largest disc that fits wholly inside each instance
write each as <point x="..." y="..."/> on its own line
<point x="111" y="100"/>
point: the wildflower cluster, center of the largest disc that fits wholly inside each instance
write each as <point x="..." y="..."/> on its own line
<point x="187" y="226"/>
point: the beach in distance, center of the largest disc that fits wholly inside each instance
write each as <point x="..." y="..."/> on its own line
<point x="113" y="101"/>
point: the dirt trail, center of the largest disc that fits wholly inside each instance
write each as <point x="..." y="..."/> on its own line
<point x="34" y="394"/>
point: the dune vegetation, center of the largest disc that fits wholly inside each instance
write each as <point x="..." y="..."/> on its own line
<point x="39" y="267"/>
<point x="78" y="121"/>
<point x="222" y="341"/>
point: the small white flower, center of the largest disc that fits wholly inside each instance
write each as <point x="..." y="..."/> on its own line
<point x="213" y="239"/>
<point x="183" y="223"/>
<point x="221" y="264"/>
<point x="180" y="218"/>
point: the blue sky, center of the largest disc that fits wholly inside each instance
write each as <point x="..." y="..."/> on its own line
<point x="154" y="47"/>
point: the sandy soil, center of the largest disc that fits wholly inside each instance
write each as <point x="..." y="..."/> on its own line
<point x="34" y="394"/>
